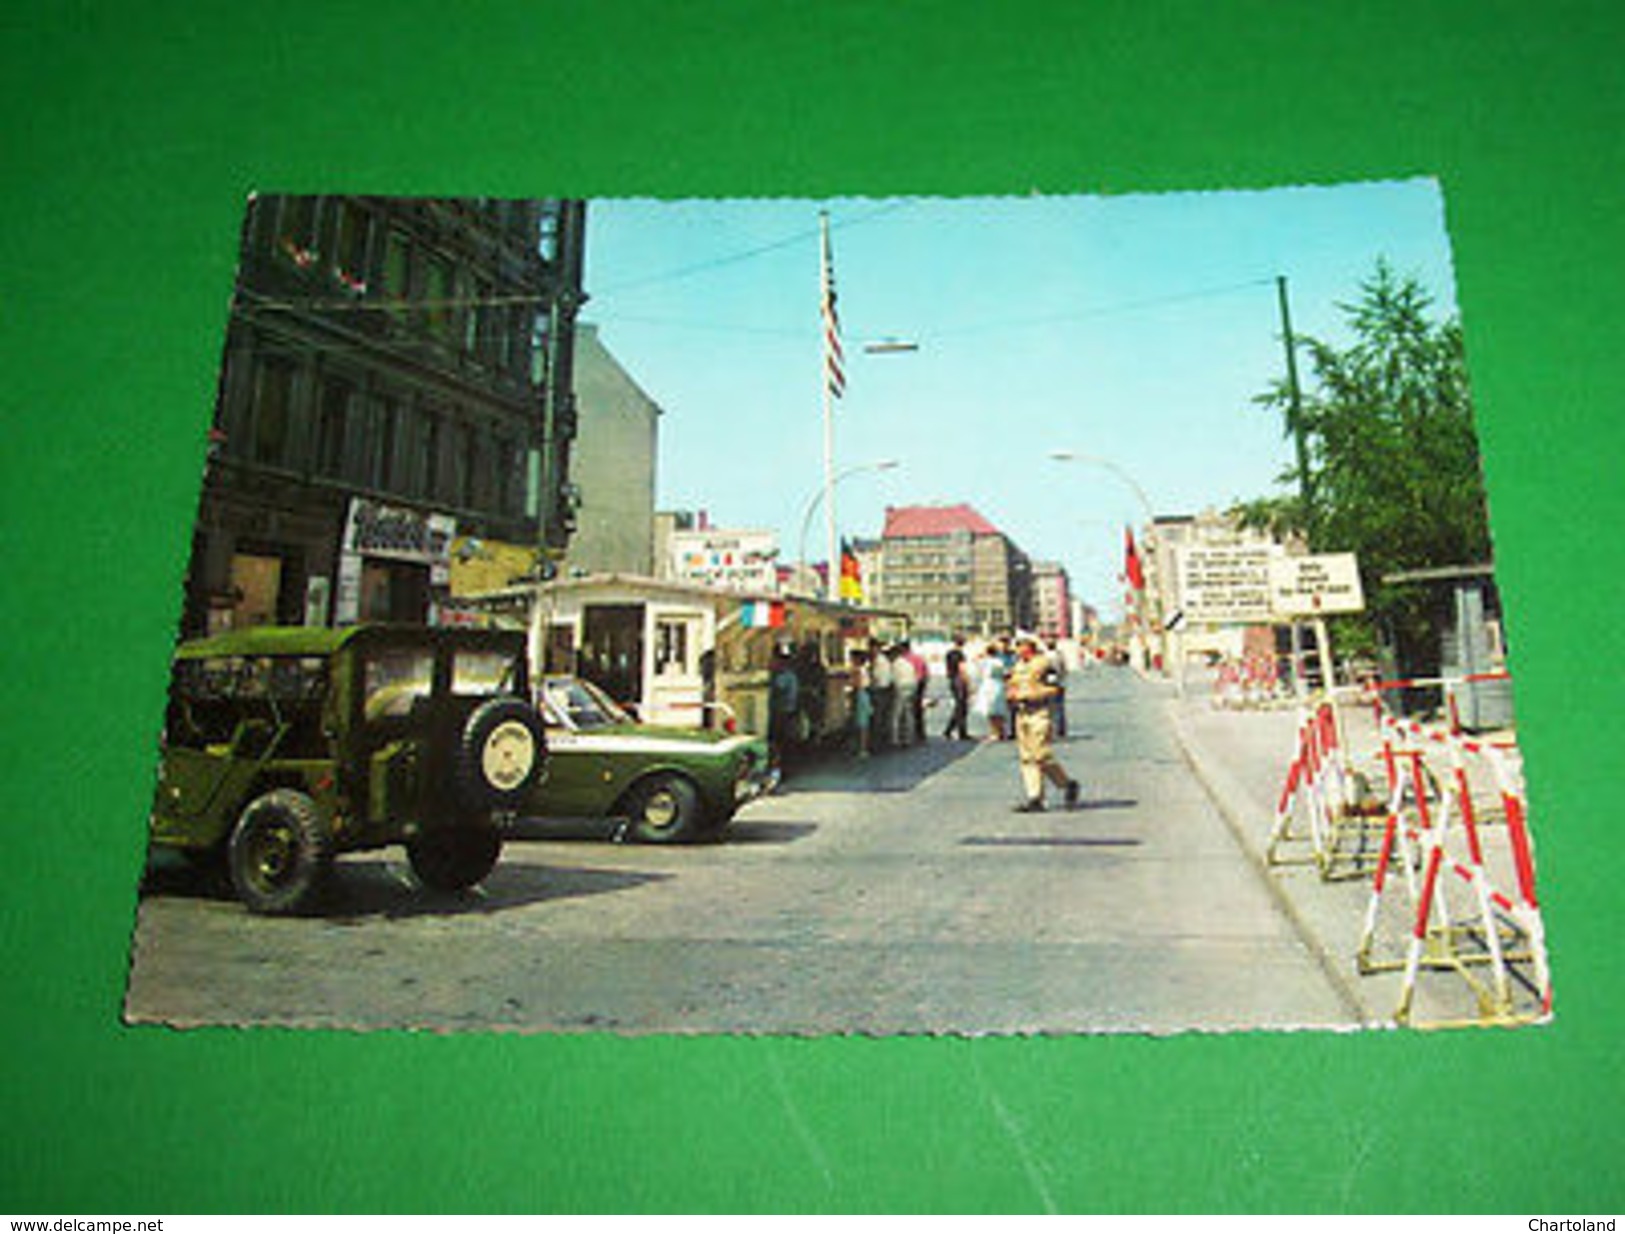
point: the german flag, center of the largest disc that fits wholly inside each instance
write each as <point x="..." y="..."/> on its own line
<point x="851" y="575"/>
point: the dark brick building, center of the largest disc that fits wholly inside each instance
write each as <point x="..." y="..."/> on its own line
<point x="396" y="382"/>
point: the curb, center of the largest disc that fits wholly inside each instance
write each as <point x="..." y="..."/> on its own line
<point x="1240" y="814"/>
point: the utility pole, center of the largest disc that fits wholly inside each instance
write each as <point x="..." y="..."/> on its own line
<point x="1294" y="418"/>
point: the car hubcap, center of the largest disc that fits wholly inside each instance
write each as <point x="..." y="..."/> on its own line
<point x="661" y="810"/>
<point x="273" y="856"/>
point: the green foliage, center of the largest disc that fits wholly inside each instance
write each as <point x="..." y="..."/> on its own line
<point x="1393" y="459"/>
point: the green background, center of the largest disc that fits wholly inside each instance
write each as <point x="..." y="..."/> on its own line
<point x="134" y="134"/>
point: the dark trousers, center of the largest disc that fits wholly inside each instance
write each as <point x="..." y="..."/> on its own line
<point x="957" y="722"/>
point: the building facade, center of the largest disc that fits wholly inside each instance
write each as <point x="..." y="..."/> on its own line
<point x="953" y="572"/>
<point x="1052" y="601"/>
<point x="396" y="387"/>
<point x="613" y="465"/>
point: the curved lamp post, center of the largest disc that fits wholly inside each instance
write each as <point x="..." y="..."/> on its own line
<point x="833" y="582"/>
<point x="1075" y="456"/>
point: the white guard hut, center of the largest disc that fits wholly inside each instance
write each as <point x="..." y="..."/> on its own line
<point x="687" y="654"/>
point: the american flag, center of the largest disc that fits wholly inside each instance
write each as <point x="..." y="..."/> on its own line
<point x="834" y="360"/>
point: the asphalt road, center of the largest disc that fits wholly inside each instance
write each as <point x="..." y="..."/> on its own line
<point x="896" y="895"/>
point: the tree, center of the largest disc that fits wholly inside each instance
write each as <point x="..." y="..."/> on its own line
<point x="1391" y="449"/>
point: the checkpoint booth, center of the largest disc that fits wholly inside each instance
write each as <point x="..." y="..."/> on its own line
<point x="691" y="655"/>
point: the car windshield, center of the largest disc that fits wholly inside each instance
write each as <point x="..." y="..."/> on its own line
<point x="580" y="703"/>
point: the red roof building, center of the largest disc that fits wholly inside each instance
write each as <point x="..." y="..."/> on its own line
<point x="953" y="572"/>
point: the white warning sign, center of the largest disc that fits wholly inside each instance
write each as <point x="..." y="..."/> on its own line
<point x="1316" y="586"/>
<point x="1228" y="584"/>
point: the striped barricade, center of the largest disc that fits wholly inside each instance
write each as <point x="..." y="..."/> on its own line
<point x="1457" y="835"/>
<point x="1325" y="803"/>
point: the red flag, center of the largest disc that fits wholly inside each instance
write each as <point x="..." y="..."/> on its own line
<point x="834" y="360"/>
<point x="1131" y="561"/>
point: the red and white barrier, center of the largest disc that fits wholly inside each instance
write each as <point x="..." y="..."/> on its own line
<point x="1448" y="794"/>
<point x="1324" y="801"/>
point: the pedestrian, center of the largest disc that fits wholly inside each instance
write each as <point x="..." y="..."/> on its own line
<point x="991" y="702"/>
<point x="905" y="681"/>
<point x="883" y="690"/>
<point x="1007" y="657"/>
<point x="862" y="703"/>
<point x="784" y="702"/>
<point x="1031" y="687"/>
<point x="1057" y="705"/>
<point x="956" y="670"/>
<point x="922" y="674"/>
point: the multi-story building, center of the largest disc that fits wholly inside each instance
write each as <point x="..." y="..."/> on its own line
<point x="396" y="386"/>
<point x="613" y="465"/>
<point x="953" y="572"/>
<point x="1052" y="601"/>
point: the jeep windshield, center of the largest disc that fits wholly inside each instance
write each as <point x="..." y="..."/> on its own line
<point x="580" y="704"/>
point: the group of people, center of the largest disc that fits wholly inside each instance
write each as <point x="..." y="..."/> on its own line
<point x="1016" y="686"/>
<point x="888" y="685"/>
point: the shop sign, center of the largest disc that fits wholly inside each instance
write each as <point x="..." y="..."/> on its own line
<point x="731" y="560"/>
<point x="376" y="530"/>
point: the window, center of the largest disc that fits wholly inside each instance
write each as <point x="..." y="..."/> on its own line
<point x="383" y="463"/>
<point x="468" y="466"/>
<point x="350" y="257"/>
<point x="429" y="462"/>
<point x="506" y="477"/>
<point x="397" y="274"/>
<point x="393" y="680"/>
<point x="297" y="231"/>
<point x="335" y="417"/>
<point x="673" y="648"/>
<point x="437" y="296"/>
<point x="272" y="407"/>
<point x="481" y="674"/>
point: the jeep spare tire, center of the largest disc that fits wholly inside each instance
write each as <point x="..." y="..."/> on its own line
<point x="500" y="755"/>
<point x="279" y="856"/>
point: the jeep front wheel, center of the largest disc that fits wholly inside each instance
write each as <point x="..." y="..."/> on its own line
<point x="453" y="859"/>
<point x="279" y="856"/>
<point x="665" y="809"/>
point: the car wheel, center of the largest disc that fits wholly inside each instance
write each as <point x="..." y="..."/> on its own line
<point x="665" y="809"/>
<point x="453" y="859"/>
<point x="279" y="856"/>
<point x="500" y="754"/>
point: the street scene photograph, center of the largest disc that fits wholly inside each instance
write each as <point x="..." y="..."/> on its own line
<point x="998" y="616"/>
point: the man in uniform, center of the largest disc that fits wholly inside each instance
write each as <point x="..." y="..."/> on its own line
<point x="1033" y="683"/>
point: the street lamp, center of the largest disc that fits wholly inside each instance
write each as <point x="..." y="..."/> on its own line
<point x="817" y="499"/>
<point x="1075" y="456"/>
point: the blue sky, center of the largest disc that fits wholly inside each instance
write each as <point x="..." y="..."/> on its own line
<point x="1137" y="328"/>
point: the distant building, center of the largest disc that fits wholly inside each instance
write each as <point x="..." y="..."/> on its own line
<point x="613" y="465"/>
<point x="1052" y="601"/>
<point x="395" y="390"/>
<point x="953" y="572"/>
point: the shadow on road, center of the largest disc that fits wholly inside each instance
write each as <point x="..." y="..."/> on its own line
<point x="889" y="771"/>
<point x="1047" y="842"/>
<point x="381" y="889"/>
<point x="608" y="831"/>
<point x="767" y="833"/>
<point x="378" y="887"/>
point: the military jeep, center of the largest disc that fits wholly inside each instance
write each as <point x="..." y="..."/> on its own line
<point x="285" y="746"/>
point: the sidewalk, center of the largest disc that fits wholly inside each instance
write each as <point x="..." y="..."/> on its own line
<point x="1242" y="757"/>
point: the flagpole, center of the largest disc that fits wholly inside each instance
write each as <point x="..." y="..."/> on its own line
<point x="832" y="577"/>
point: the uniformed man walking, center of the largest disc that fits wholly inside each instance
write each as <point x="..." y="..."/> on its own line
<point x="1033" y="683"/>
